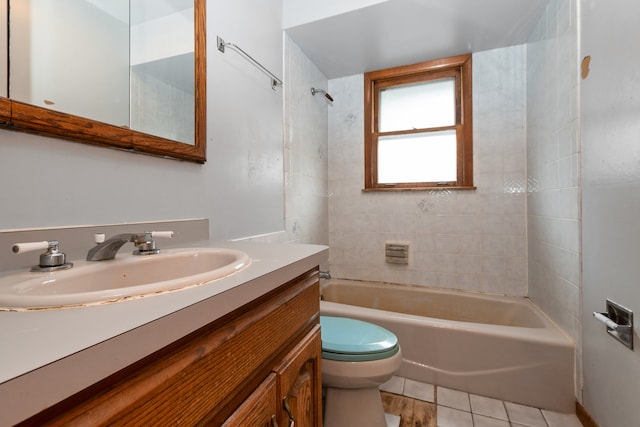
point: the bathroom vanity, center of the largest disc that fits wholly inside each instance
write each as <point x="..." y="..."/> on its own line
<point x="243" y="350"/>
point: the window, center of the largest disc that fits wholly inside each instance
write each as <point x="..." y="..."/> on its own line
<point x="418" y="126"/>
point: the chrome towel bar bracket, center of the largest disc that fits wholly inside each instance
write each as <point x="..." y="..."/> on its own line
<point x="275" y="82"/>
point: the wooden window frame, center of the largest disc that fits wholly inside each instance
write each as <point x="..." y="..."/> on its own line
<point x="456" y="66"/>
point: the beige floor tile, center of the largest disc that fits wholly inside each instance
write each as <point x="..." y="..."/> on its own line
<point x="394" y="385"/>
<point x="525" y="415"/>
<point x="557" y="419"/>
<point x="418" y="390"/>
<point x="449" y="417"/>
<point x="482" y="421"/>
<point x="453" y="399"/>
<point x="489" y="407"/>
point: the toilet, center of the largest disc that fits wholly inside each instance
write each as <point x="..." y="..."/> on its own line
<point x="357" y="357"/>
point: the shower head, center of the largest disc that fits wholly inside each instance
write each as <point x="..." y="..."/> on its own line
<point x="326" y="95"/>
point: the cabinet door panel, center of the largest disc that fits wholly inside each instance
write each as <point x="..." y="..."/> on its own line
<point x="258" y="409"/>
<point x="300" y="382"/>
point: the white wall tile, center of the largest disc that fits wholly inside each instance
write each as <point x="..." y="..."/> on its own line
<point x="447" y="229"/>
<point x="553" y="164"/>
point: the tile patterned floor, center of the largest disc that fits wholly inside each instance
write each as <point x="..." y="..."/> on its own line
<point x="454" y="408"/>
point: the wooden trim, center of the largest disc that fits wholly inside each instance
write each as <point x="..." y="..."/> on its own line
<point x="19" y="116"/>
<point x="370" y="149"/>
<point x="467" y="122"/>
<point x="585" y="418"/>
<point x="418" y="188"/>
<point x="418" y="77"/>
<point x="42" y="121"/>
<point x="200" y="147"/>
<point x="433" y="65"/>
<point x="458" y="67"/>
<point x="5" y="111"/>
<point x="421" y="130"/>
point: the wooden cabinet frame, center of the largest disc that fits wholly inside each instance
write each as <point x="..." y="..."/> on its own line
<point x="206" y="376"/>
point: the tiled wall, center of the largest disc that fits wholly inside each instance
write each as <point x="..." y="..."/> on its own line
<point x="305" y="153"/>
<point x="553" y="166"/>
<point x="471" y="240"/>
<point x="553" y="153"/>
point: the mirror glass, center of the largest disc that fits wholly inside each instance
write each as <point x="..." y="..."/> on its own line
<point x="124" y="70"/>
<point x="109" y="60"/>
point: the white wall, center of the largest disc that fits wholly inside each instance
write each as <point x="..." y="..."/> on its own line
<point x="553" y="168"/>
<point x="305" y="153"/>
<point x="472" y="240"/>
<point x="298" y="12"/>
<point x="611" y="202"/>
<point x="46" y="182"/>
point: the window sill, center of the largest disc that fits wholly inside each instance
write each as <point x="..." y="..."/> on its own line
<point x="434" y="188"/>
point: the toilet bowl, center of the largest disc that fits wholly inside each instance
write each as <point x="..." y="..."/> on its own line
<point x="357" y="357"/>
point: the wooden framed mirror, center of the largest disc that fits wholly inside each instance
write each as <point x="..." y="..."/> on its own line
<point x="21" y="113"/>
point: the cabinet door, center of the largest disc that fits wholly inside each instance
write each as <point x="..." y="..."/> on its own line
<point x="259" y="409"/>
<point x="300" y="383"/>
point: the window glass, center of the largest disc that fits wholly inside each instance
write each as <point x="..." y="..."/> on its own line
<point x="418" y="106"/>
<point x="418" y="126"/>
<point x="420" y="157"/>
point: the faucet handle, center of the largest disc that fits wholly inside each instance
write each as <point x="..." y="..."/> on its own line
<point x="162" y="234"/>
<point x="19" y="248"/>
<point x="148" y="245"/>
<point x="50" y="260"/>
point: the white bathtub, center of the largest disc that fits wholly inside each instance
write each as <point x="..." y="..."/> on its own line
<point x="495" y="346"/>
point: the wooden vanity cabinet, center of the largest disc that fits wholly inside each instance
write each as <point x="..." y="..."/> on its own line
<point x="241" y="370"/>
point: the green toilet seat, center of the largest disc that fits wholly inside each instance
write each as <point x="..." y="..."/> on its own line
<point x="352" y="340"/>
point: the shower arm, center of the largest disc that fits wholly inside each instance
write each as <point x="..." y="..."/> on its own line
<point x="326" y="95"/>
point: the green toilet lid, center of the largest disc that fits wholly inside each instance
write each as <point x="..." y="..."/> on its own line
<point x="353" y="340"/>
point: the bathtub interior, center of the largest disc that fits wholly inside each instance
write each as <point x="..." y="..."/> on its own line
<point x="439" y="304"/>
<point x="523" y="358"/>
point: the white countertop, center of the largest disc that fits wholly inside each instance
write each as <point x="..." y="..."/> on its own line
<point x="46" y="356"/>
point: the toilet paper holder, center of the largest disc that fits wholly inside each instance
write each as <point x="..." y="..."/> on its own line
<point x="619" y="322"/>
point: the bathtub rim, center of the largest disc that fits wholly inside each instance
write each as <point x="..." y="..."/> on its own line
<point x="549" y="333"/>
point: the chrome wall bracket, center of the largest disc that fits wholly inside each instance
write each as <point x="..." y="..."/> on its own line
<point x="221" y="44"/>
<point x="619" y="322"/>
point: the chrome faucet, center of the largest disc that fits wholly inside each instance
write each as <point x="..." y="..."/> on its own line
<point x="144" y="243"/>
<point x="51" y="260"/>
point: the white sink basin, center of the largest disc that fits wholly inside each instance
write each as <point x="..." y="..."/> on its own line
<point x="126" y="277"/>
